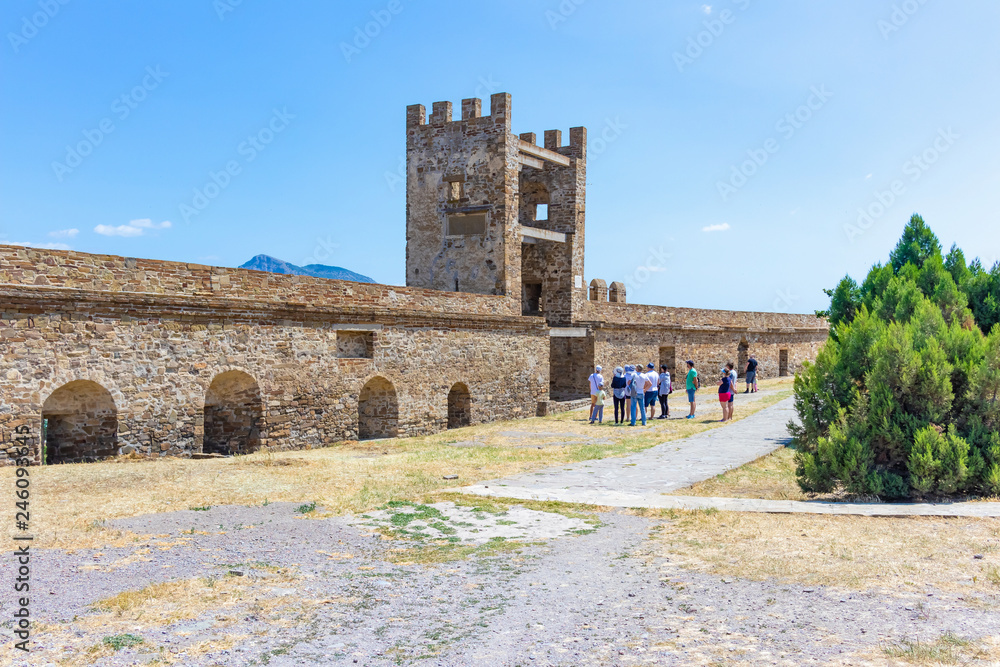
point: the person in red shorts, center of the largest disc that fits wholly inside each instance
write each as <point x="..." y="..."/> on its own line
<point x="725" y="391"/>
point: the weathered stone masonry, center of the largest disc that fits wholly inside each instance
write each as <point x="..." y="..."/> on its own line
<point x="104" y="355"/>
<point x="157" y="335"/>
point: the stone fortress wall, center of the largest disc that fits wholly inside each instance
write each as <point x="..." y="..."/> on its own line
<point x="104" y="355"/>
<point x="182" y="352"/>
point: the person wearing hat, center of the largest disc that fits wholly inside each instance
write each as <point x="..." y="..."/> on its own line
<point x="619" y="390"/>
<point x="692" y="386"/>
<point x="596" y="384"/>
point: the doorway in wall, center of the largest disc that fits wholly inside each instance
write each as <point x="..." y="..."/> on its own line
<point x="668" y="358"/>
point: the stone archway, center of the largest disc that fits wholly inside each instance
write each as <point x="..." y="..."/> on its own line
<point x="378" y="410"/>
<point x="459" y="406"/>
<point x="233" y="415"/>
<point x="79" y="423"/>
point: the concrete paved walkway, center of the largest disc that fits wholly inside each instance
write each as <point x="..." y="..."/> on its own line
<point x="642" y="479"/>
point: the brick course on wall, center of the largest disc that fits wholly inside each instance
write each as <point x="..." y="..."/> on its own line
<point x="114" y="275"/>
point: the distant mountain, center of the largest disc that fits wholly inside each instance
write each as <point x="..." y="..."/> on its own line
<point x="272" y="265"/>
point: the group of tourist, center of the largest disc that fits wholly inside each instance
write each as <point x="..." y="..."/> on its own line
<point x="635" y="391"/>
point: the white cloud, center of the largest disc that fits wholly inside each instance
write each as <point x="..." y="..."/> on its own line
<point x="132" y="229"/>
<point x="120" y="230"/>
<point x="40" y="246"/>
<point x="868" y="176"/>
<point x="64" y="233"/>
<point x="707" y="9"/>
<point x="146" y="223"/>
<point x="716" y="228"/>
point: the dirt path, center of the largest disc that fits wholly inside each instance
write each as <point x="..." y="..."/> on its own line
<point x="272" y="587"/>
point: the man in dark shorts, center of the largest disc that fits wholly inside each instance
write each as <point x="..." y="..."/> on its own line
<point x="651" y="389"/>
<point x="751" y="375"/>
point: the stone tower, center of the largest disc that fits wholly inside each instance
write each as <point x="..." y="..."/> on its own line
<point x="475" y="196"/>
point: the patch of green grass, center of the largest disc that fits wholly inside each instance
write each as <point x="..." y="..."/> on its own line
<point x="202" y="508"/>
<point x="118" y="642"/>
<point x="307" y="508"/>
<point x="442" y="551"/>
<point x="503" y="505"/>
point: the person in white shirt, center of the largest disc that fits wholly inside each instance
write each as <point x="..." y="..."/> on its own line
<point x="596" y="384"/>
<point x="637" y="391"/>
<point x="652" y="380"/>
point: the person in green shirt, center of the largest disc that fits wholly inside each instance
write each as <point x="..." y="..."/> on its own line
<point x="692" y="386"/>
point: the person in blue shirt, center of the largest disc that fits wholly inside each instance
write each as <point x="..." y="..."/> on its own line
<point x="725" y="390"/>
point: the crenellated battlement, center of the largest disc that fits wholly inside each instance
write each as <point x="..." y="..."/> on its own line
<point x="442" y="113"/>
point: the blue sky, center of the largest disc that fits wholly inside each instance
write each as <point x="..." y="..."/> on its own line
<point x="732" y="144"/>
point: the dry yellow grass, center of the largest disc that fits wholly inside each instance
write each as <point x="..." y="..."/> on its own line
<point x="143" y="612"/>
<point x="71" y="503"/>
<point x="948" y="649"/>
<point x="770" y="477"/>
<point x="862" y="553"/>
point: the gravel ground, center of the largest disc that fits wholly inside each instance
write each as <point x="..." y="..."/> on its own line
<point x="589" y="597"/>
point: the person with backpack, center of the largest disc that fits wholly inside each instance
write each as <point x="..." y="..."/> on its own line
<point x="692" y="386"/>
<point x="629" y="372"/>
<point x="751" y="376"/>
<point x="618" y="390"/>
<point x="598" y="411"/>
<point x="596" y="382"/>
<point x="664" y="388"/>
<point x="637" y="392"/>
<point x="725" y="389"/>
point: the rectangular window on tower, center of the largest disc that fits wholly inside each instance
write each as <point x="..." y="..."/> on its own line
<point x="471" y="224"/>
